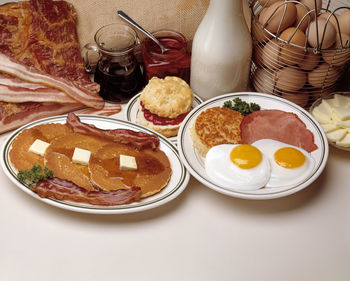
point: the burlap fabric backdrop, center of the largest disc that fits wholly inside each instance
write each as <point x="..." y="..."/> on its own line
<point x="180" y="15"/>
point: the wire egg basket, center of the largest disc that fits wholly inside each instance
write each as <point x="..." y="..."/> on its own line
<point x="301" y="49"/>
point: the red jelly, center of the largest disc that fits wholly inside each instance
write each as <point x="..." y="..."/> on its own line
<point x="157" y="120"/>
<point x="174" y="62"/>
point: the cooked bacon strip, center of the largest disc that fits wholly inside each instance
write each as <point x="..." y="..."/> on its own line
<point x="125" y="136"/>
<point x="65" y="190"/>
<point x="84" y="95"/>
<point x="107" y="110"/>
<point x="14" y="115"/>
<point x="17" y="90"/>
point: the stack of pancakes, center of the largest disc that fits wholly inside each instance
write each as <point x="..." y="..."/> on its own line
<point x="103" y="171"/>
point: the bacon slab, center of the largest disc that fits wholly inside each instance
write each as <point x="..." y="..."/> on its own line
<point x="139" y="140"/>
<point x="14" y="115"/>
<point x="277" y="125"/>
<point x="65" y="190"/>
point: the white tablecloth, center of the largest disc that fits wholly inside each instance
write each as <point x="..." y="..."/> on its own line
<point x="201" y="235"/>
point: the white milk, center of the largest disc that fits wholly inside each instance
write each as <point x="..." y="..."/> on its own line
<point x="221" y="51"/>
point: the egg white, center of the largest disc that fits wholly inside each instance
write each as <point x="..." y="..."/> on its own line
<point x="284" y="177"/>
<point x="223" y="172"/>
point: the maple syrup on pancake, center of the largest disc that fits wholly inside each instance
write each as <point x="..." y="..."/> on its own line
<point x="119" y="83"/>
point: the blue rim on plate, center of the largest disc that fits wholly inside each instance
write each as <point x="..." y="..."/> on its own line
<point x="177" y="183"/>
<point x="194" y="162"/>
<point x="132" y="109"/>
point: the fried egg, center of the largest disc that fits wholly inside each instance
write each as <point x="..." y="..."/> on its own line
<point x="237" y="166"/>
<point x="290" y="165"/>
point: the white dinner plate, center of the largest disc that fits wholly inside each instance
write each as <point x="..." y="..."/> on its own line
<point x="132" y="109"/>
<point x="194" y="162"/>
<point x="177" y="183"/>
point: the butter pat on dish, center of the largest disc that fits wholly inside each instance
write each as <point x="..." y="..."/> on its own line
<point x="39" y="147"/>
<point x="81" y="156"/>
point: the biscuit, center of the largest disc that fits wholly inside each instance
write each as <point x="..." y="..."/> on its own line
<point x="168" y="97"/>
<point x="214" y="126"/>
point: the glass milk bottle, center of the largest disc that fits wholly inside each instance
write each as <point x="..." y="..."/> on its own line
<point x="221" y="51"/>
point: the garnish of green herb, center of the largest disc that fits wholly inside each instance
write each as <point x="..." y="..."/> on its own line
<point x="35" y="174"/>
<point x="242" y="106"/>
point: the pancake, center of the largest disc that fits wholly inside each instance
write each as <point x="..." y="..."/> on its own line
<point x="59" y="154"/>
<point x="214" y="126"/>
<point x="152" y="174"/>
<point x="21" y="157"/>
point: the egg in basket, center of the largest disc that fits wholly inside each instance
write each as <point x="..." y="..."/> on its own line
<point x="300" y="48"/>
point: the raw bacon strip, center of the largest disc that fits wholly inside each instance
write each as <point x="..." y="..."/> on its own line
<point x="277" y="125"/>
<point x="107" y="110"/>
<point x="14" y="115"/>
<point x="138" y="139"/>
<point x="65" y="190"/>
<point x="11" y="81"/>
<point x="30" y="92"/>
<point x="80" y="94"/>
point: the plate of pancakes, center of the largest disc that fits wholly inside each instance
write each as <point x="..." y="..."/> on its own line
<point x="270" y="153"/>
<point x="160" y="173"/>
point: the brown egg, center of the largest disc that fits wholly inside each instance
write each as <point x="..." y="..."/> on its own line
<point x="344" y="22"/>
<point x="264" y="81"/>
<point x="271" y="55"/>
<point x="332" y="18"/>
<point x="290" y="79"/>
<point x="339" y="54"/>
<point x="276" y="12"/>
<point x="257" y="54"/>
<point x="310" y="60"/>
<point x="300" y="98"/>
<point x="326" y="34"/>
<point x="267" y="2"/>
<point x="311" y="5"/>
<point x="301" y="12"/>
<point x="259" y="34"/>
<point x="323" y="76"/>
<point x="292" y="54"/>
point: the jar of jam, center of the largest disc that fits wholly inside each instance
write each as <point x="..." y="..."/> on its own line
<point x="117" y="70"/>
<point x="174" y="62"/>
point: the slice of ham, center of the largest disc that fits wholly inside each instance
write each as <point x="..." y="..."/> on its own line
<point x="65" y="190"/>
<point x="85" y="95"/>
<point x="277" y="125"/>
<point x="15" y="90"/>
<point x="139" y="140"/>
<point x="14" y="115"/>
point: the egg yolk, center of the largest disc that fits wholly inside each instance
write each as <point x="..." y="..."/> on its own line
<point x="289" y="157"/>
<point x="246" y="156"/>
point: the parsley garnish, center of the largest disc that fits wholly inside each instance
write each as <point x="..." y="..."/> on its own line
<point x="34" y="175"/>
<point x="242" y="106"/>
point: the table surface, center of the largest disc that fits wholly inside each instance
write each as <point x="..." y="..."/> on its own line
<point x="200" y="235"/>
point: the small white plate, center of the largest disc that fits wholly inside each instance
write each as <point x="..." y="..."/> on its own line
<point x="318" y="102"/>
<point x="132" y="109"/>
<point x="177" y="183"/>
<point x="194" y="162"/>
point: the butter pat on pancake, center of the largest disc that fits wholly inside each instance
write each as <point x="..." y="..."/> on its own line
<point x="58" y="158"/>
<point x="21" y="157"/>
<point x="152" y="174"/>
<point x="214" y="126"/>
